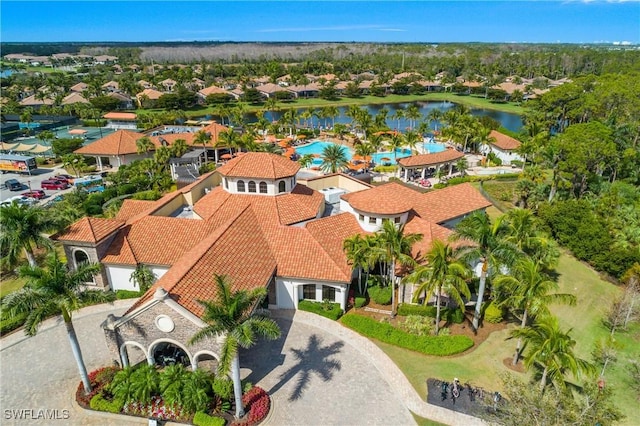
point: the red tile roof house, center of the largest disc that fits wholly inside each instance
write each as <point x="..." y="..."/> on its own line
<point x="504" y="147"/>
<point x="252" y="221"/>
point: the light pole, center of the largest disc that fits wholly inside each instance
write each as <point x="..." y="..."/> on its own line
<point x="29" y="185"/>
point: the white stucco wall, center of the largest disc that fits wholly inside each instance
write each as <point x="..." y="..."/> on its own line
<point x="230" y="184"/>
<point x="118" y="276"/>
<point x="364" y="219"/>
<point x="289" y="292"/>
<point x="506" y="156"/>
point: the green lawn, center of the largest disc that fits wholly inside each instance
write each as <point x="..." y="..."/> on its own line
<point x="421" y="421"/>
<point x="483" y="365"/>
<point x="11" y="284"/>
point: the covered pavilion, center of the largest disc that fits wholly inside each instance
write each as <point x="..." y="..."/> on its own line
<point x="423" y="162"/>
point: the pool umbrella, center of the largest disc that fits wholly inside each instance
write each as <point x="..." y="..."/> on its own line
<point x="226" y="156"/>
<point x="77" y="132"/>
<point x="301" y="136"/>
<point x="385" y="159"/>
<point x="283" y="143"/>
<point x="357" y="158"/>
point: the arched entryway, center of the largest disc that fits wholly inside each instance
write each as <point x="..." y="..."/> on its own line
<point x="168" y="352"/>
<point x="132" y="353"/>
<point x="205" y="360"/>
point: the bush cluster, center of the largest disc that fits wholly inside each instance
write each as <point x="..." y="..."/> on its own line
<point x="100" y="403"/>
<point x="10" y="323"/>
<point x="203" y="419"/>
<point x="493" y="313"/>
<point x="320" y="308"/>
<point x="360" y="301"/>
<point x="448" y="314"/>
<point x="380" y="295"/>
<point x="429" y="345"/>
<point x="257" y="403"/>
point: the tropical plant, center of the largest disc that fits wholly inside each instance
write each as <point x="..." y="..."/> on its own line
<point x="550" y="350"/>
<point x="334" y="158"/>
<point x="144" y="145"/>
<point x="306" y="160"/>
<point x="145" y="382"/>
<point x="441" y="269"/>
<point x="203" y="138"/>
<point x="23" y="227"/>
<point x="489" y="247"/>
<point x="394" y="247"/>
<point x="197" y="389"/>
<point x="55" y="290"/>
<point x="528" y="289"/>
<point x="143" y="277"/>
<point x="232" y="315"/>
<point x="523" y="230"/>
<point x="358" y="250"/>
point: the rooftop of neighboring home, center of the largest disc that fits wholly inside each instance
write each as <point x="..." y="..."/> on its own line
<point x="504" y="142"/>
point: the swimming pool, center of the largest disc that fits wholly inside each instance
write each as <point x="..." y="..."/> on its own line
<point x="316" y="147"/>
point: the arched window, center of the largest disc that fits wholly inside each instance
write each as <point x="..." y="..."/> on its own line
<point x="241" y="186"/>
<point x="80" y="257"/>
<point x="282" y="186"/>
<point x="226" y="183"/>
<point x="263" y="187"/>
<point x="252" y="186"/>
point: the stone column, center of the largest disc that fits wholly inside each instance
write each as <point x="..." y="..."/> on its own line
<point x="295" y="296"/>
<point x="450" y="168"/>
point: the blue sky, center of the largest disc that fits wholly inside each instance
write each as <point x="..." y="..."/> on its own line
<point x="590" y="21"/>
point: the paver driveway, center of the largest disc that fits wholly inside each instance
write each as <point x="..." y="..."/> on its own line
<point x="314" y="377"/>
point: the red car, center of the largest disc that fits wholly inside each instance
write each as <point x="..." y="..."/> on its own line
<point x="53" y="184"/>
<point x="38" y="194"/>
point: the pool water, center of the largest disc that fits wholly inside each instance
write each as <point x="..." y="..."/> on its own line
<point x="316" y="147"/>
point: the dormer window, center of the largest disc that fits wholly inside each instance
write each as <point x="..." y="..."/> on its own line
<point x="263" y="187"/>
<point x="241" y="186"/>
<point x="396" y="219"/>
<point x="282" y="186"/>
<point x="252" y="186"/>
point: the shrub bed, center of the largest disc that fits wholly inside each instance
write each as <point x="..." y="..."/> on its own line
<point x="429" y="345"/>
<point x="360" y="301"/>
<point x="257" y="404"/>
<point x="380" y="295"/>
<point x="327" y="310"/>
<point x="493" y="314"/>
<point x="11" y="323"/>
<point x="203" y="419"/>
<point x="447" y="314"/>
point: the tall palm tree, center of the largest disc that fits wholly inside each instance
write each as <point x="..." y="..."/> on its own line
<point x="462" y="165"/>
<point x="306" y="160"/>
<point x="550" y="350"/>
<point x="357" y="248"/>
<point x="179" y="148"/>
<point x="413" y="114"/>
<point x="435" y="116"/>
<point x="203" y="138"/>
<point x="523" y="230"/>
<point x="232" y="315"/>
<point x="529" y="289"/>
<point x="23" y="227"/>
<point x="334" y="158"/>
<point x="489" y="247"/>
<point x="394" y="247"/>
<point x="332" y="112"/>
<point x="412" y="139"/>
<point x="398" y="115"/>
<point x="55" y="290"/>
<point x="229" y="138"/>
<point x="442" y="270"/>
<point x="396" y="142"/>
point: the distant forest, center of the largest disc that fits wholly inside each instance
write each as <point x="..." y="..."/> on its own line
<point x="456" y="59"/>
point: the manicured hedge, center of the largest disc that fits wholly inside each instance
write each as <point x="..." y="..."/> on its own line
<point x="127" y="294"/>
<point x="447" y="314"/>
<point x="429" y="345"/>
<point x="11" y="323"/>
<point x="360" y="301"/>
<point x="203" y="419"/>
<point x="319" y="308"/>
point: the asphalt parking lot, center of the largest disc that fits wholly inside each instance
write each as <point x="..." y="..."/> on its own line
<point x="30" y="182"/>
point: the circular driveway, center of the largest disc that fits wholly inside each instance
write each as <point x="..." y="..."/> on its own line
<point x="314" y="377"/>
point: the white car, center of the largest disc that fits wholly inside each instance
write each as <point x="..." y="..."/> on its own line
<point x="20" y="199"/>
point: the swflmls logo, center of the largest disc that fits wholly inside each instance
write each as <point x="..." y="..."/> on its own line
<point x="31" y="414"/>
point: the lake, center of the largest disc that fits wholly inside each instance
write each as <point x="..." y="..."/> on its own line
<point x="509" y="121"/>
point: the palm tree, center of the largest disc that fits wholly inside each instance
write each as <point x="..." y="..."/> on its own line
<point x="306" y="160"/>
<point x="489" y="247"/>
<point x="397" y="115"/>
<point x="551" y="350"/>
<point x="179" y="148"/>
<point x="529" y="289"/>
<point x="334" y="158"/>
<point x="442" y="270"/>
<point x="435" y="115"/>
<point x="413" y="114"/>
<point x="144" y="145"/>
<point x="332" y="112"/>
<point x="396" y="142"/>
<point x="524" y="232"/>
<point x="232" y="315"/>
<point x="229" y="139"/>
<point x="55" y="290"/>
<point x="203" y="138"/>
<point x="358" y="252"/>
<point x="462" y="165"/>
<point x="22" y="229"/>
<point x="394" y="247"/>
<point x="412" y="139"/>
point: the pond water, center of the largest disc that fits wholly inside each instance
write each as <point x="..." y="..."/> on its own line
<point x="509" y="121"/>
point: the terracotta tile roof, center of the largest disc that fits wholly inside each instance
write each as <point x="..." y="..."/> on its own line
<point x="390" y="198"/>
<point x="260" y="165"/>
<point x="448" y="203"/>
<point x="446" y="156"/>
<point x="118" y="143"/>
<point x="151" y="94"/>
<point x="504" y="142"/>
<point x="172" y="137"/>
<point x="119" y="116"/>
<point x="303" y="203"/>
<point x="227" y="251"/>
<point x="131" y="208"/>
<point x="74" y="98"/>
<point x="89" y="229"/>
<point x="429" y="231"/>
<point x="157" y="240"/>
<point x="331" y="231"/>
<point x="212" y="89"/>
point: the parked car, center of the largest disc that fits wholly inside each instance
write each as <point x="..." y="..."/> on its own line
<point x="38" y="194"/>
<point x="65" y="178"/>
<point x="54" y="184"/>
<point x="20" y="199"/>
<point x="13" y="185"/>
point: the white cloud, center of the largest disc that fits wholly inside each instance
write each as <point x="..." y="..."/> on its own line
<point x="327" y="28"/>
